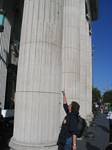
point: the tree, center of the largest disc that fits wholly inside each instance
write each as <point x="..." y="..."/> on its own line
<point x="96" y="94"/>
<point x="107" y="96"/>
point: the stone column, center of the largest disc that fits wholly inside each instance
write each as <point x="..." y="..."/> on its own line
<point x="36" y="123"/>
<point x="89" y="73"/>
<point x="83" y="57"/>
<point x="71" y="49"/>
<point x="85" y="64"/>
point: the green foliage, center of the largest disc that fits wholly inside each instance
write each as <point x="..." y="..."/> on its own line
<point x="107" y="97"/>
<point x="96" y="94"/>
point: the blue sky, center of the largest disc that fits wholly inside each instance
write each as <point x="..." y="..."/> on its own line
<point x="102" y="47"/>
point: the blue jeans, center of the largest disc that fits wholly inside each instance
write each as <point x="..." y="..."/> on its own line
<point x="68" y="144"/>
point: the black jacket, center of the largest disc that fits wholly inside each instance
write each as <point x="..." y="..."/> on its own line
<point x="69" y="126"/>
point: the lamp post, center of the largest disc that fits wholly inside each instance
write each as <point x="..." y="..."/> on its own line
<point x="2" y="19"/>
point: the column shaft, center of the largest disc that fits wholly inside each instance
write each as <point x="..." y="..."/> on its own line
<point x="71" y="49"/>
<point x="37" y="99"/>
<point x="85" y="64"/>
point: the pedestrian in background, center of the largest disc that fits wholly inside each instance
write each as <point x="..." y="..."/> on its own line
<point x="109" y="116"/>
<point x="68" y="135"/>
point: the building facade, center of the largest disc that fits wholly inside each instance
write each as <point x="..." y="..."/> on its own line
<point x="55" y="54"/>
<point x="9" y="50"/>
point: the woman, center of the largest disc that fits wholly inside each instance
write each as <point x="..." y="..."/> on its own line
<point x="68" y="135"/>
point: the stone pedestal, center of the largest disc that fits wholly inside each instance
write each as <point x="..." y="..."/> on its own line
<point x="37" y="101"/>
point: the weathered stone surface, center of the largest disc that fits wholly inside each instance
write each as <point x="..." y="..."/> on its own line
<point x="36" y="124"/>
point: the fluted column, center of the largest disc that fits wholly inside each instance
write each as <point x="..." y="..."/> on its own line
<point x="36" y="123"/>
<point x="89" y="74"/>
<point x="71" y="49"/>
<point x="85" y="64"/>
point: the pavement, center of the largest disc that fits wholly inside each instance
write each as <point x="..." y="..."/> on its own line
<point x="96" y="137"/>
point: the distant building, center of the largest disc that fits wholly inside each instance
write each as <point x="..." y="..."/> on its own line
<point x="55" y="53"/>
<point x="9" y="50"/>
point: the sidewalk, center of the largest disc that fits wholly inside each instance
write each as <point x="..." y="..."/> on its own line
<point x="96" y="136"/>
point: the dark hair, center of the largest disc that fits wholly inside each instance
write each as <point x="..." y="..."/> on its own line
<point x="75" y="107"/>
<point x="109" y="147"/>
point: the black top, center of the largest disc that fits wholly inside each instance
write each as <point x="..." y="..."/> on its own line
<point x="69" y="126"/>
<point x="71" y="120"/>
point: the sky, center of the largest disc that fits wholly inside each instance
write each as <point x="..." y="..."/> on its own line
<point x="102" y="47"/>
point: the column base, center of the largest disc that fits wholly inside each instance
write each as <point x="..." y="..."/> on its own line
<point x="14" y="145"/>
